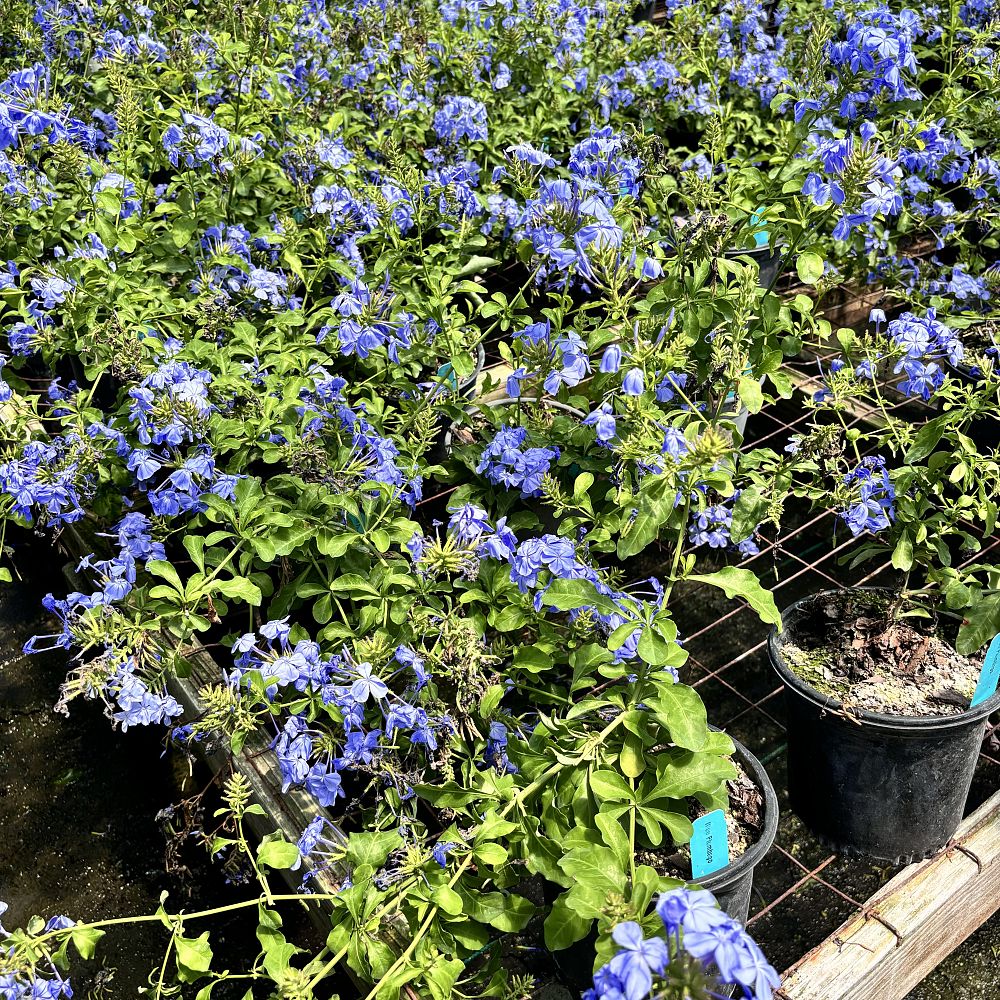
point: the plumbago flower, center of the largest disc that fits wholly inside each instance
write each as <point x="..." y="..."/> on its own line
<point x="506" y="462"/>
<point x="378" y="721"/>
<point x="856" y="179"/>
<point x="696" y="952"/>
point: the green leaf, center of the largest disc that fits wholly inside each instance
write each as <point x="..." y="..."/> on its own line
<point x="449" y="900"/>
<point x="632" y="758"/>
<point x="742" y="583"/>
<point x="372" y="848"/>
<point x="491" y="700"/>
<point x="596" y="867"/>
<point x="240" y="588"/>
<point x="652" y="649"/>
<point x="490" y="854"/>
<point x="277" y="854"/>
<point x="582" y="484"/>
<point x="449" y="795"/>
<point x="564" y="926"/>
<point x="982" y="623"/>
<point x="278" y="952"/>
<point x="442" y="977"/>
<point x="687" y="773"/>
<point x="680" y="709"/>
<point x="85" y="940"/>
<point x="644" y="528"/>
<point x="194" y="957"/>
<point x="608" y="786"/>
<point x="748" y="511"/>
<point x="532" y="659"/>
<point x="809" y="268"/>
<point x="926" y="440"/>
<point x="679" y="826"/>
<point x="506" y="911"/>
<point x="476" y="265"/>
<point x="751" y="394"/>
<point x="615" y="837"/>
<point x="902" y="554"/>
<point x="568" y="594"/>
<point x="509" y="619"/>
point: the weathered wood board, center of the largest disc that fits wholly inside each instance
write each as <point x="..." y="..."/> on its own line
<point x="931" y="907"/>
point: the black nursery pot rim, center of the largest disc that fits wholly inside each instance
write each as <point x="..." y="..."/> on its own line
<point x="900" y="724"/>
<point x="758" y="849"/>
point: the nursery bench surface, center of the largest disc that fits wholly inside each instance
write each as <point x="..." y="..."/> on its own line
<point x="911" y="924"/>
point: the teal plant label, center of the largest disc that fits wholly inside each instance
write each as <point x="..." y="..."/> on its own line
<point x="709" y="844"/>
<point x="990" y="674"/>
<point x="760" y="237"/>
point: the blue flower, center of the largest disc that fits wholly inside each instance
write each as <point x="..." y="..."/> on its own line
<point x="652" y="269"/>
<point x="504" y="463"/>
<point x="441" y="851"/>
<point x="639" y="959"/>
<point x="669" y="385"/>
<point x="603" y="421"/>
<point x="688" y="909"/>
<point x="367" y="684"/>
<point x="495" y="753"/>
<point x="634" y="382"/>
<point x="872" y="497"/>
<point x="461" y="118"/>
<point x="324" y="784"/>
<point x="468" y="522"/>
<point x="721" y="943"/>
<point x="611" y="359"/>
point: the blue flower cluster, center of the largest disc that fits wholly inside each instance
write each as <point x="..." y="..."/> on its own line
<point x="871" y="497"/>
<point x="247" y="282"/>
<point x="31" y="983"/>
<point x="926" y="342"/>
<point x="374" y="715"/>
<point x="877" y="53"/>
<point x="711" y="526"/>
<point x="374" y="457"/>
<point x="366" y="323"/>
<point x="197" y="140"/>
<point x="461" y="118"/>
<point x="693" y="923"/>
<point x="875" y="195"/>
<point x="562" y="362"/>
<point x="505" y="463"/>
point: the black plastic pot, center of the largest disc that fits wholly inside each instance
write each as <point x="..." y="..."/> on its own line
<point x="883" y="786"/>
<point x="732" y="885"/>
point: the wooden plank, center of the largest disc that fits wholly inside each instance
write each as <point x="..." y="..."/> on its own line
<point x="928" y="910"/>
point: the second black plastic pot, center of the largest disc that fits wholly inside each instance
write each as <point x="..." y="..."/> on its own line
<point x="883" y="786"/>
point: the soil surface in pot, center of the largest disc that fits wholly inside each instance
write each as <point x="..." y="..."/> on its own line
<point x="744" y="821"/>
<point x="848" y="647"/>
